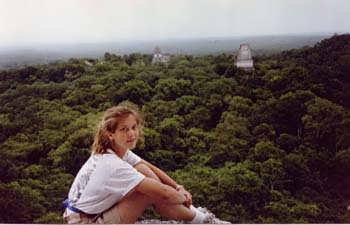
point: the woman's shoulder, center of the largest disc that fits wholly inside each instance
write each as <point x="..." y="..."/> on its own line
<point x="108" y="159"/>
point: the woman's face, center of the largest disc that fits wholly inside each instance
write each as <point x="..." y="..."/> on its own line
<point x="126" y="135"/>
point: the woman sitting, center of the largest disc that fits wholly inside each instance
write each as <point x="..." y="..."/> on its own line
<point x="116" y="186"/>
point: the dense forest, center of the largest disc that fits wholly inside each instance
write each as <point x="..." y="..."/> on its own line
<point x="270" y="145"/>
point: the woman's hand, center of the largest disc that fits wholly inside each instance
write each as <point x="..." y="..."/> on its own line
<point x="187" y="194"/>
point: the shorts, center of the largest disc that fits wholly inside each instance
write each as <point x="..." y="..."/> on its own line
<point x="110" y="216"/>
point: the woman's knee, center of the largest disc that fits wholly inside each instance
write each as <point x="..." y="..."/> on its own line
<point x="145" y="170"/>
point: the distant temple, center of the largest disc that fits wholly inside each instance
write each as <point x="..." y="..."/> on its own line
<point x="244" y="58"/>
<point x="158" y="57"/>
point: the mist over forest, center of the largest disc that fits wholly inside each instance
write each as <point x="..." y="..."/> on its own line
<point x="31" y="54"/>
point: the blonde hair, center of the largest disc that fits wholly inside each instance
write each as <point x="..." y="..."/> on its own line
<point x="109" y="124"/>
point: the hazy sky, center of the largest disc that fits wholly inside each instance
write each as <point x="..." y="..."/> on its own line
<point x="53" y="21"/>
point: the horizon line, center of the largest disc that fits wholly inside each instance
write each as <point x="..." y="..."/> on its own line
<point x="135" y="40"/>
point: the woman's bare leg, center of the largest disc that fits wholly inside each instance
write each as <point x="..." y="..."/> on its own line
<point x="175" y="212"/>
<point x="171" y="211"/>
<point x="132" y="207"/>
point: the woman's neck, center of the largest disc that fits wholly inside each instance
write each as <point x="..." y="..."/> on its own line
<point x="119" y="151"/>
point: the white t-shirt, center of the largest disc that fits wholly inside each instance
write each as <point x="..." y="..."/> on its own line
<point x="103" y="180"/>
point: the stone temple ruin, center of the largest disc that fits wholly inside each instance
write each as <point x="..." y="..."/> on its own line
<point x="158" y="57"/>
<point x="244" y="58"/>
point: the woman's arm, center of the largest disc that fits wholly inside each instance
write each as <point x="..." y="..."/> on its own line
<point x="160" y="191"/>
<point x="162" y="175"/>
<point x="165" y="179"/>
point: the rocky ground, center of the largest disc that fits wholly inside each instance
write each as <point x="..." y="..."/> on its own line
<point x="158" y="221"/>
<point x="213" y="220"/>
